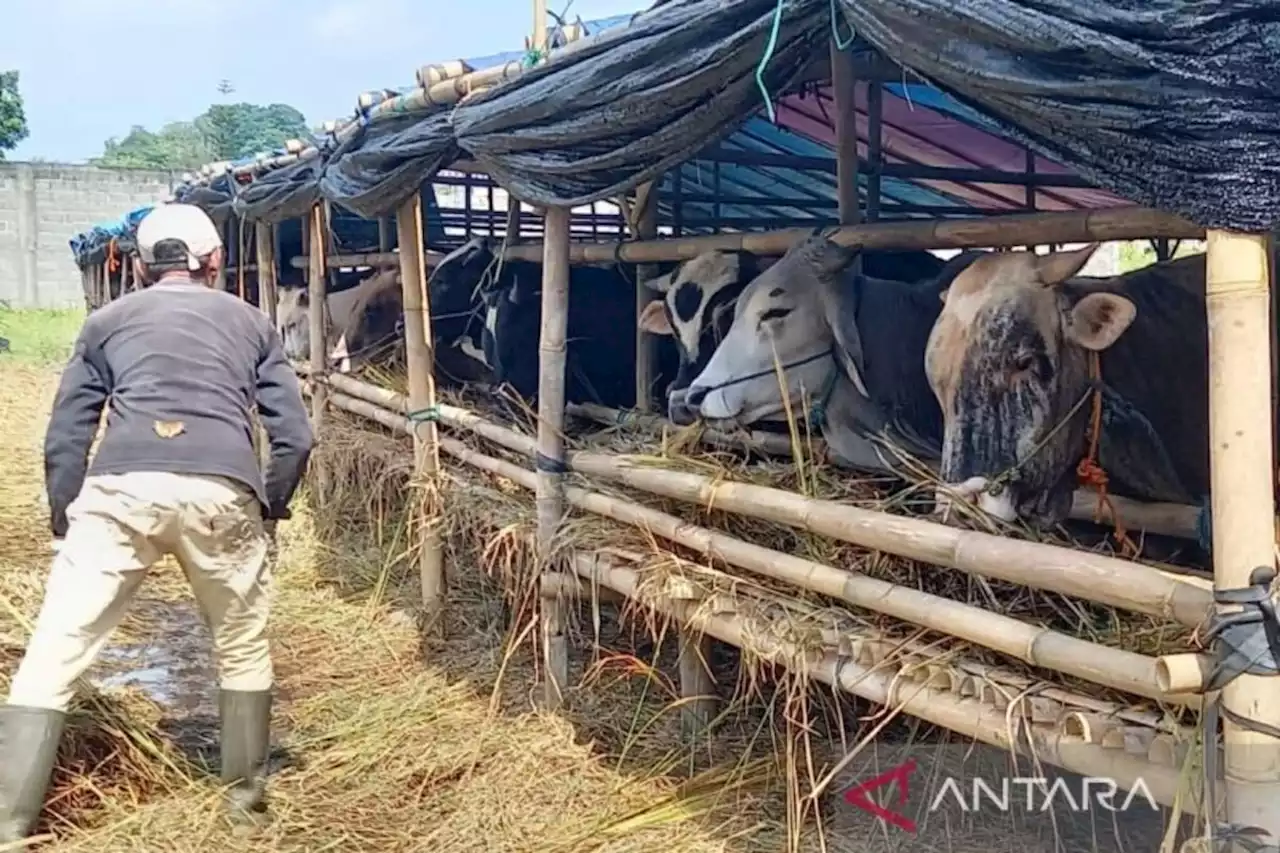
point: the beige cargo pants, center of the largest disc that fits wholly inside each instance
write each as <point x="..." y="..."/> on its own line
<point x="119" y="526"/>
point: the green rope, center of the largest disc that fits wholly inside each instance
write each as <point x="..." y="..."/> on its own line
<point x="428" y="415"/>
<point x="532" y="57"/>
<point x="835" y="30"/>
<point x="764" y="60"/>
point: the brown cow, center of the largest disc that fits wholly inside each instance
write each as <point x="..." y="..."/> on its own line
<point x="1009" y="362"/>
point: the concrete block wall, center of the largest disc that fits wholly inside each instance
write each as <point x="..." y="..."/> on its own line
<point x="44" y="205"/>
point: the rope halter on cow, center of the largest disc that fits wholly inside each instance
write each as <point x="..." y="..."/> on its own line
<point x="1089" y="472"/>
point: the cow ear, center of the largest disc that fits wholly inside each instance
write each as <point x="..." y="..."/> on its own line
<point x="832" y="258"/>
<point x="654" y="319"/>
<point x="662" y="283"/>
<point x="1057" y="267"/>
<point x="1099" y="319"/>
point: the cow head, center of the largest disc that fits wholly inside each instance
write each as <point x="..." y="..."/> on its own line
<point x="460" y="288"/>
<point x="293" y="321"/>
<point x="696" y="310"/>
<point x="779" y="323"/>
<point x="1008" y="362"/>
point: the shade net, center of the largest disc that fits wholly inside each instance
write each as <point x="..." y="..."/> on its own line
<point x="619" y="109"/>
<point x="387" y="161"/>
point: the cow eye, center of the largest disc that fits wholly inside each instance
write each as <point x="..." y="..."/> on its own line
<point x="774" y="314"/>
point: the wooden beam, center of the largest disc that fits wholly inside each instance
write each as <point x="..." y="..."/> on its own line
<point x="1126" y="223"/>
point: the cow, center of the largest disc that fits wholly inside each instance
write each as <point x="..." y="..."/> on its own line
<point x="1010" y="362"/>
<point x="849" y="343"/>
<point x="367" y="321"/>
<point x="698" y="302"/>
<point x="600" y="350"/>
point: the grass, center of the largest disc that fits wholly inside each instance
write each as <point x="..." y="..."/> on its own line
<point x="39" y="336"/>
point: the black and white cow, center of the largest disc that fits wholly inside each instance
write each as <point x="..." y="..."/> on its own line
<point x="699" y="298"/>
<point x="600" y="342"/>
<point x="844" y="340"/>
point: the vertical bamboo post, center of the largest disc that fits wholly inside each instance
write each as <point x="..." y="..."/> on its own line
<point x="1238" y="305"/>
<point x="384" y="234"/>
<point x="875" y="145"/>
<point x="844" y="86"/>
<point x="550" y="460"/>
<point x="318" y="317"/>
<point x="646" y="228"/>
<point x="227" y="231"/>
<point x="420" y="361"/>
<point x="125" y="263"/>
<point x="265" y="240"/>
<point x="540" y="25"/>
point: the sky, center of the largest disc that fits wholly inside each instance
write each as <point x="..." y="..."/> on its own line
<point x="120" y="63"/>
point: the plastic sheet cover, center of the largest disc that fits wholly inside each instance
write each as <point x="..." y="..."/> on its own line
<point x="618" y="109"/>
<point x="284" y="193"/>
<point x="387" y="162"/>
<point x="1170" y="104"/>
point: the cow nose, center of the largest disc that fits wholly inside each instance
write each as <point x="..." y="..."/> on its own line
<point x="696" y="395"/>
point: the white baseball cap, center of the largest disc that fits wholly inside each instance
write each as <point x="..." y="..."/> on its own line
<point x="178" y="230"/>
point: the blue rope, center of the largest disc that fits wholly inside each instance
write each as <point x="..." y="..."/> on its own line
<point x="1204" y="525"/>
<point x="764" y="60"/>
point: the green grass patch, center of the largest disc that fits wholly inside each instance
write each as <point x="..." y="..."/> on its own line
<point x="39" y="335"/>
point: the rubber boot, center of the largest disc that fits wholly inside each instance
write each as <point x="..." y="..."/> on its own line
<point x="28" y="747"/>
<point x="245" y="737"/>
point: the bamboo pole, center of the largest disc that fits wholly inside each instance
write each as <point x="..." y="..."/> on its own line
<point x="1132" y="673"/>
<point x="1166" y="519"/>
<point x="550" y="442"/>
<point x="916" y="697"/>
<point x="264" y="238"/>
<point x="420" y="361"/>
<point x="1125" y="223"/>
<point x="1092" y="577"/>
<point x="318" y="318"/>
<point x="843" y="83"/>
<point x="363" y="259"/>
<point x="645" y="227"/>
<point x="1242" y="472"/>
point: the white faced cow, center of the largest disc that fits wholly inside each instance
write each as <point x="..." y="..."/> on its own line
<point x="1009" y="361"/>
<point x="844" y="342"/>
<point x="696" y="311"/>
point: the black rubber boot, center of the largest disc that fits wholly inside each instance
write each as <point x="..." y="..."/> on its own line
<point x="28" y="746"/>
<point x="246" y="737"/>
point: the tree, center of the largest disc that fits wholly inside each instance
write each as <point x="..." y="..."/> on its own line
<point x="180" y="145"/>
<point x="13" y="119"/>
<point x="223" y="132"/>
<point x="242" y="130"/>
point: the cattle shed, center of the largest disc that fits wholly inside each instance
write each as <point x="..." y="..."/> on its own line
<point x="642" y="142"/>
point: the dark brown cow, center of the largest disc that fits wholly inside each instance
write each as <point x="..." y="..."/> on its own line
<point x="1009" y="362"/>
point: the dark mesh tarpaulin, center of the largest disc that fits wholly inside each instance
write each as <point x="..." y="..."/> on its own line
<point x="1169" y="103"/>
<point x="215" y="199"/>
<point x="284" y="193"/>
<point x="632" y="101"/>
<point x="387" y="161"/>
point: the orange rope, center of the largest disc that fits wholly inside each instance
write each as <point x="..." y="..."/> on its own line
<point x="113" y="256"/>
<point x="1090" y="473"/>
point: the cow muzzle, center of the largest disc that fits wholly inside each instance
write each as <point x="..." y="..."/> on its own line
<point x="678" y="409"/>
<point x="974" y="490"/>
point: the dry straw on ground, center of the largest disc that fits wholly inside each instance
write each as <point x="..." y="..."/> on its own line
<point x="376" y="750"/>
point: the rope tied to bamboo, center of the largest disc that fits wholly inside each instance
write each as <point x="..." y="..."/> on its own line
<point x="1090" y="472"/>
<point x="428" y="414"/>
<point x="113" y="256"/>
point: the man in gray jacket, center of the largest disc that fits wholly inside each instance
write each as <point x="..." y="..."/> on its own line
<point x="179" y="366"/>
